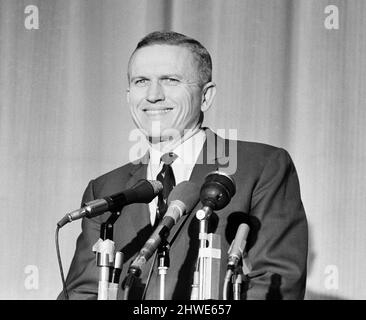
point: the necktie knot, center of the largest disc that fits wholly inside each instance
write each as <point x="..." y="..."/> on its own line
<point x="168" y="158"/>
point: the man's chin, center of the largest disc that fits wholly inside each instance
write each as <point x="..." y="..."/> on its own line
<point x="163" y="138"/>
<point x="164" y="135"/>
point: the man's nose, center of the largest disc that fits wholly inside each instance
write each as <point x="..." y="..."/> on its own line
<point x="155" y="93"/>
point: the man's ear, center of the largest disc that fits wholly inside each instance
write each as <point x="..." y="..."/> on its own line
<point x="208" y="95"/>
<point x="128" y="95"/>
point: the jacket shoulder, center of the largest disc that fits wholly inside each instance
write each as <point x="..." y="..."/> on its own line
<point x="257" y="150"/>
<point x="254" y="156"/>
<point x="114" y="180"/>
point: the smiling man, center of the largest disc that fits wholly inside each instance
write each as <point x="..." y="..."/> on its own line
<point x="169" y="89"/>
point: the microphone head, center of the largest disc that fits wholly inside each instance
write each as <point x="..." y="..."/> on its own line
<point x="143" y="191"/>
<point x="238" y="245"/>
<point x="186" y="192"/>
<point x="156" y="185"/>
<point x="217" y="190"/>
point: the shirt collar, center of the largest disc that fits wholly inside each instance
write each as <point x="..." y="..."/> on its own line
<point x="187" y="152"/>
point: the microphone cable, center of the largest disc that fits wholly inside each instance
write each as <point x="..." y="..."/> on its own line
<point x="60" y="264"/>
<point x="150" y="273"/>
<point x="225" y="287"/>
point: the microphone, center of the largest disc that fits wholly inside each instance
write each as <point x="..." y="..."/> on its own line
<point x="235" y="254"/>
<point x="182" y="199"/>
<point x="216" y="193"/>
<point x="237" y="247"/>
<point x="142" y="192"/>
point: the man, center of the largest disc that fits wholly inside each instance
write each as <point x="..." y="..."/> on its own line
<point x="170" y="87"/>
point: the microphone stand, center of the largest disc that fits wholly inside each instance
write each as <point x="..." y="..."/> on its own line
<point x="208" y="266"/>
<point x="104" y="249"/>
<point x="114" y="279"/>
<point x="203" y="236"/>
<point x="164" y="264"/>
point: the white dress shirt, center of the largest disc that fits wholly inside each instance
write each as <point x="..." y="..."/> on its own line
<point x="187" y="153"/>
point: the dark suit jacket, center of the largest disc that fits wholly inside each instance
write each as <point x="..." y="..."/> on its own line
<point x="267" y="198"/>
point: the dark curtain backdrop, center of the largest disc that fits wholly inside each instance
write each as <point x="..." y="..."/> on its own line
<point x="282" y="78"/>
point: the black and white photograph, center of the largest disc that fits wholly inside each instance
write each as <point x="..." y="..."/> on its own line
<point x="182" y="150"/>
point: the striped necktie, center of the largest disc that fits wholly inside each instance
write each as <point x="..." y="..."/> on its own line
<point x="166" y="177"/>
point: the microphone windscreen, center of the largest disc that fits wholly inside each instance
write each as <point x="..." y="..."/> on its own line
<point x="241" y="238"/>
<point x="143" y="191"/>
<point x="156" y="185"/>
<point x="217" y="190"/>
<point x="186" y="192"/>
<point x="220" y="177"/>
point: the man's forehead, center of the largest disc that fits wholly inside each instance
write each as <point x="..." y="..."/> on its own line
<point x="162" y="56"/>
<point x="164" y="49"/>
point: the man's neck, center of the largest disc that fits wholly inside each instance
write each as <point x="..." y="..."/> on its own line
<point x="170" y="144"/>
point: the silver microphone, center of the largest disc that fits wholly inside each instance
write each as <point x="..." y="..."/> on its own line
<point x="235" y="252"/>
<point x="142" y="192"/>
<point x="181" y="200"/>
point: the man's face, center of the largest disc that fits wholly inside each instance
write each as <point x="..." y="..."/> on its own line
<point x="164" y="91"/>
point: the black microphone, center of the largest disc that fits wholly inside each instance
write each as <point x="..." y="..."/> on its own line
<point x="182" y="199"/>
<point x="237" y="247"/>
<point x="142" y="192"/>
<point x="216" y="193"/>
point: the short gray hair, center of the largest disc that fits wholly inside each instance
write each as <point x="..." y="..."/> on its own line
<point x="177" y="39"/>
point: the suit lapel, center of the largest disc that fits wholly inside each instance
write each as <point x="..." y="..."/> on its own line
<point x="138" y="213"/>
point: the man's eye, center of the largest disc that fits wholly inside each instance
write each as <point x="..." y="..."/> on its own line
<point x="141" y="82"/>
<point x="170" y="81"/>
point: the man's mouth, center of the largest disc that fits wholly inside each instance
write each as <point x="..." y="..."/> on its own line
<point x="157" y="111"/>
